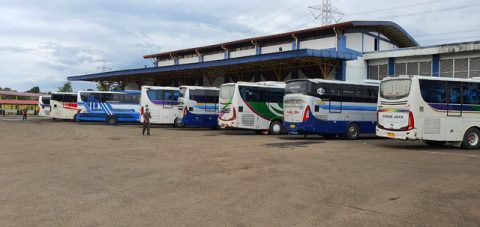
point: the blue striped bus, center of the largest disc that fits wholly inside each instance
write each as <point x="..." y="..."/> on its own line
<point x="330" y="108"/>
<point x="110" y="107"/>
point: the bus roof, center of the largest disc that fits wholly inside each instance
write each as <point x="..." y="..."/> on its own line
<point x="64" y="93"/>
<point x="160" y="88"/>
<point x="260" y="84"/>
<point x="365" y="82"/>
<point x="474" y="79"/>
<point x="200" y="87"/>
<point x="113" y="92"/>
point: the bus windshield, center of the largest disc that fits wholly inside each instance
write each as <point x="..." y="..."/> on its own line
<point x="297" y="87"/>
<point x="395" y="89"/>
<point x="169" y="95"/>
<point x="204" y="96"/>
<point x="226" y="91"/>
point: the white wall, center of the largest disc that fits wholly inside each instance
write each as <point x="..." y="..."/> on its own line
<point x="319" y="44"/>
<point x="188" y="60"/>
<point x="356" y="70"/>
<point x="368" y="43"/>
<point x="274" y="48"/>
<point x="242" y="53"/>
<point x="386" y="46"/>
<point x="354" y="41"/>
<point x="166" y="63"/>
<point x="214" y="57"/>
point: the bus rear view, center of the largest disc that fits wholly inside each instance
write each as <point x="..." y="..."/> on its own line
<point x="395" y="119"/>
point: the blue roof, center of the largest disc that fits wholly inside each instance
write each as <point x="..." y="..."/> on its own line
<point x="294" y="54"/>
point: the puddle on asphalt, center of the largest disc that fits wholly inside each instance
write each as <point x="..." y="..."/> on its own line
<point x="292" y="144"/>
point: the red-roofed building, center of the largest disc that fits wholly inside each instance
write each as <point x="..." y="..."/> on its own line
<point x="12" y="102"/>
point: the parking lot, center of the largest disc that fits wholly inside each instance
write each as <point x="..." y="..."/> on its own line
<point x="70" y="174"/>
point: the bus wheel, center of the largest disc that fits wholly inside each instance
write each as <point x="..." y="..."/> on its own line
<point x="75" y="118"/>
<point x="353" y="132"/>
<point x="111" y="120"/>
<point x="275" y="128"/>
<point x="433" y="143"/>
<point x="471" y="139"/>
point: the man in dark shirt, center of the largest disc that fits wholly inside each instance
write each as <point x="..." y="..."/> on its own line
<point x="146" y="122"/>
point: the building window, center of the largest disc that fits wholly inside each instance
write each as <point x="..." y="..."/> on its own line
<point x="446" y="68"/>
<point x="461" y="68"/>
<point x="376" y="44"/>
<point x="412" y="68"/>
<point x="400" y="69"/>
<point x="378" y="72"/>
<point x="425" y="68"/>
<point x="474" y="67"/>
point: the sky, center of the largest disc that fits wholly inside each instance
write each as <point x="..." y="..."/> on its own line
<point x="44" y="42"/>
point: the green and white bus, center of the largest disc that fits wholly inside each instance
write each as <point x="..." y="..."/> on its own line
<point x="257" y="106"/>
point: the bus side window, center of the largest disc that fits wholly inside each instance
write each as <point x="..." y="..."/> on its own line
<point x="433" y="91"/>
<point x="335" y="92"/>
<point x="276" y="95"/>
<point x="470" y="93"/>
<point x="455" y="92"/>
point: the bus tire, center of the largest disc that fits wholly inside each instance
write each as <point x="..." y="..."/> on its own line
<point x="471" y="139"/>
<point x="433" y="143"/>
<point x="75" y="118"/>
<point x="276" y="128"/>
<point x="111" y="120"/>
<point x="353" y="132"/>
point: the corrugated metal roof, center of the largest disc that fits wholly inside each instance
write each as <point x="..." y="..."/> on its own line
<point x="390" y="29"/>
<point x="294" y="54"/>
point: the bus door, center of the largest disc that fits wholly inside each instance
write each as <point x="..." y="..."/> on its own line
<point x="454" y="110"/>
<point x="170" y="102"/>
<point x="335" y="103"/>
<point x="248" y="113"/>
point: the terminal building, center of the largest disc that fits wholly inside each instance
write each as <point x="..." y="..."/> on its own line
<point x="348" y="51"/>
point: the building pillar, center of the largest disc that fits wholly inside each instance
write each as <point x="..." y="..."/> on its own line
<point x="435" y="65"/>
<point x="341" y="71"/>
<point x="391" y="66"/>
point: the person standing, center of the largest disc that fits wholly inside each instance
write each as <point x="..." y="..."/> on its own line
<point x="24" y="114"/>
<point x="146" y="122"/>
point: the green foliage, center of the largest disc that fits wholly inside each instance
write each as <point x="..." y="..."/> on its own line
<point x="67" y="87"/>
<point x="35" y="89"/>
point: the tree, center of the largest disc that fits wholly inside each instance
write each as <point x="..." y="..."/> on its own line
<point x="110" y="86"/>
<point x="35" y="89"/>
<point x="89" y="89"/>
<point x="7" y="89"/>
<point x="67" y="87"/>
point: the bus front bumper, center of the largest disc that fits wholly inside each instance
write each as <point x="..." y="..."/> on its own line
<point x="401" y="135"/>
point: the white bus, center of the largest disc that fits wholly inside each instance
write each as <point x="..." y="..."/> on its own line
<point x="110" y="107"/>
<point x="44" y="106"/>
<point x="198" y="107"/>
<point x="162" y="103"/>
<point x="257" y="106"/>
<point x="63" y="105"/>
<point x="330" y="108"/>
<point x="435" y="110"/>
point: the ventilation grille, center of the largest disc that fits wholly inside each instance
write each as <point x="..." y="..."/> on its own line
<point x="248" y="119"/>
<point x="431" y="126"/>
